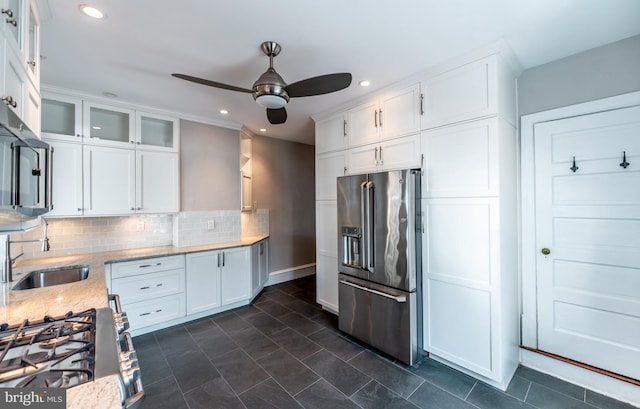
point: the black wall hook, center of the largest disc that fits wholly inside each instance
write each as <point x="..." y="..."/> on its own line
<point x="574" y="167"/>
<point x="624" y="163"/>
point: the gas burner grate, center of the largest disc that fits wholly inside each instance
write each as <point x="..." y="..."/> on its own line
<point x="52" y="352"/>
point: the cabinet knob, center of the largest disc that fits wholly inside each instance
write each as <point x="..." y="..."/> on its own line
<point x="545" y="251"/>
<point x="10" y="101"/>
<point x="32" y="63"/>
<point x="12" y="21"/>
<point x="8" y="12"/>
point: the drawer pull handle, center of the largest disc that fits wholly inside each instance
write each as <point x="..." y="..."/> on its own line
<point x="149" y="265"/>
<point x="149" y="313"/>
<point x="151" y="286"/>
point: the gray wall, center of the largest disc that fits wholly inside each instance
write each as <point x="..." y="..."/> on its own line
<point x="209" y="167"/>
<point x="612" y="69"/>
<point x="284" y="182"/>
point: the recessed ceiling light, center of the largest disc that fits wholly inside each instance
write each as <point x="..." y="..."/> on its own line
<point x="224" y="111"/>
<point x="364" y="83"/>
<point x="91" y="11"/>
<point x="96" y="127"/>
<point x="110" y="94"/>
<point x="263" y="129"/>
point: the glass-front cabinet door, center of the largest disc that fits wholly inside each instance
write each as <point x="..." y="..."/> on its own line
<point x="157" y="132"/>
<point x="61" y="117"/>
<point x="33" y="46"/>
<point x="108" y="125"/>
<point x="12" y="17"/>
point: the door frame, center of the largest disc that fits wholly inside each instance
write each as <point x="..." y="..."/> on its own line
<point x="528" y="250"/>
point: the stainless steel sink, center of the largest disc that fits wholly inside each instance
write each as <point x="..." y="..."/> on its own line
<point x="52" y="276"/>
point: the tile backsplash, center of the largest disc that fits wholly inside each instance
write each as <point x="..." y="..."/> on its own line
<point x="95" y="234"/>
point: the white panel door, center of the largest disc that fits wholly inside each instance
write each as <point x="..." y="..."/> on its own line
<point x="67" y="182"/>
<point x="461" y="160"/>
<point x="588" y="221"/>
<point x="236" y="275"/>
<point x="158" y="175"/>
<point x="327" y="254"/>
<point x="400" y="112"/>
<point x="109" y="180"/>
<point x="331" y="134"/>
<point x="363" y="124"/>
<point x="363" y="159"/>
<point x="464" y="93"/>
<point x="328" y="167"/>
<point x="203" y="281"/>
<point x="400" y="153"/>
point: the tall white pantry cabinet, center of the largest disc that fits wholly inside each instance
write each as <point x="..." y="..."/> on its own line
<point x="466" y="145"/>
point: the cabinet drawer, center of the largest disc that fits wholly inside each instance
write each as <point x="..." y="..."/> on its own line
<point x="147" y="265"/>
<point x="144" y="313"/>
<point x="145" y="286"/>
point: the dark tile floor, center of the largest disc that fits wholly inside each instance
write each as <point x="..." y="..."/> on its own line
<point x="284" y="351"/>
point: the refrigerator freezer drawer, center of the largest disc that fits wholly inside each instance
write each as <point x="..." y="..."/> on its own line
<point x="383" y="317"/>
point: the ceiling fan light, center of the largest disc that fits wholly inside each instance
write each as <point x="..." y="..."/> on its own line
<point x="271" y="101"/>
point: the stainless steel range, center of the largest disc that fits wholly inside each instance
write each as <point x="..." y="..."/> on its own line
<point x="70" y="350"/>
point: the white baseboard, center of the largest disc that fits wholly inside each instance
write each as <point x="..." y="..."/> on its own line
<point x="281" y="276"/>
<point x="596" y="382"/>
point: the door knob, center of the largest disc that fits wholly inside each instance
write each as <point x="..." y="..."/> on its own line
<point x="545" y="251"/>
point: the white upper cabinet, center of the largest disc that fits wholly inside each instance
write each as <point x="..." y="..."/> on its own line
<point x="399" y="153"/>
<point x="108" y="125"/>
<point x="391" y="115"/>
<point x="13" y="19"/>
<point x="20" y="49"/>
<point x="461" y="160"/>
<point x="61" y="117"/>
<point x="157" y="132"/>
<point x="329" y="167"/>
<point x="67" y="187"/>
<point x="475" y="90"/>
<point x="109" y="180"/>
<point x="331" y="134"/>
<point x="157" y="182"/>
<point x="32" y="45"/>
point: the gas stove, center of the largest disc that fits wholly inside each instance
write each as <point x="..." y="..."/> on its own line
<point x="53" y="352"/>
<point x="70" y="350"/>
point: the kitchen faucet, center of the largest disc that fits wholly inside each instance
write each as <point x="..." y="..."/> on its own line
<point x="7" y="271"/>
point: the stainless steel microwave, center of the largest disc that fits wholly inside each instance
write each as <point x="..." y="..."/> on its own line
<point x="25" y="172"/>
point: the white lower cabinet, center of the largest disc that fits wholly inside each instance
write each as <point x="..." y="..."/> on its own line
<point x="235" y="275"/>
<point x="218" y="278"/>
<point x="259" y="266"/>
<point x="152" y="291"/>
<point x="203" y="281"/>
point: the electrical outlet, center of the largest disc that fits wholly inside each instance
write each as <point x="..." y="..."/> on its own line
<point x="211" y="224"/>
<point x="140" y="225"/>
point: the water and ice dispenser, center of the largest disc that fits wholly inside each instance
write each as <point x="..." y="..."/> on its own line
<point x="352" y="246"/>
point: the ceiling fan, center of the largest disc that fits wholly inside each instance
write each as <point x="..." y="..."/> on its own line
<point x="270" y="90"/>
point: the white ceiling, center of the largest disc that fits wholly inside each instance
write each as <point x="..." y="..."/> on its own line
<point x="141" y="42"/>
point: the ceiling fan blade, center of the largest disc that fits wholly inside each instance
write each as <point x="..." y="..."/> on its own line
<point x="277" y="116"/>
<point x="211" y="83"/>
<point x="322" y="84"/>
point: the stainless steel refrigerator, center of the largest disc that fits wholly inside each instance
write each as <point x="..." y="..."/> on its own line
<point x="379" y="261"/>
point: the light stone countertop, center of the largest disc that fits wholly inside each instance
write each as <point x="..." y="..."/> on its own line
<point x="34" y="304"/>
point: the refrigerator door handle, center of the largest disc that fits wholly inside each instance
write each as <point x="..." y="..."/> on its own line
<point x="363" y="219"/>
<point x="370" y="227"/>
<point x="396" y="298"/>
